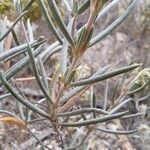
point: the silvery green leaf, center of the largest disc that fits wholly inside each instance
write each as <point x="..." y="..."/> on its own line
<point x="6" y="55"/>
<point x="95" y="120"/>
<point x="50" y="50"/>
<point x="93" y="101"/>
<point x="49" y="21"/>
<point x="105" y="75"/>
<point x="64" y="51"/>
<point x="118" y="132"/>
<point x="4" y="96"/>
<point x="17" y="5"/>
<point x="84" y="7"/>
<point x="58" y="18"/>
<point x="64" y="57"/>
<point x="20" y="99"/>
<point x="14" y="23"/>
<point x="30" y="31"/>
<point x="107" y="8"/>
<point x="37" y="76"/>
<point x="19" y="65"/>
<point x="114" y="25"/>
<point x="76" y="90"/>
<point x="28" y="5"/>
<point x="67" y="5"/>
<point x="16" y="39"/>
<point x="42" y="72"/>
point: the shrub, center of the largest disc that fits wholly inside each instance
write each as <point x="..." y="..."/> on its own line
<point x="65" y="88"/>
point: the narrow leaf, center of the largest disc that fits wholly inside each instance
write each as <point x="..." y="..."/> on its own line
<point x="54" y="82"/>
<point x="105" y="76"/>
<point x="30" y="31"/>
<point x="50" y="50"/>
<point x="19" y="65"/>
<point x="106" y="96"/>
<point x="67" y="5"/>
<point x="4" y="96"/>
<point x="15" y="37"/>
<point x="73" y="100"/>
<point x="37" y="76"/>
<point x="84" y="7"/>
<point x="81" y="111"/>
<point x="114" y="25"/>
<point x="93" y="101"/>
<point x="8" y="113"/>
<point x="28" y="5"/>
<point x="64" y="52"/>
<point x="10" y="28"/>
<point x="94" y="121"/>
<point x="76" y="90"/>
<point x="55" y="11"/>
<point x="21" y="99"/>
<point x="64" y="57"/>
<point x="17" y="5"/>
<point x="49" y="21"/>
<point x="43" y="73"/>
<point x="20" y="49"/>
<point x="117" y="132"/>
<point x="107" y="9"/>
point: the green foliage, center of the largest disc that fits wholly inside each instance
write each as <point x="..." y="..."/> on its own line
<point x="65" y="89"/>
<point x="5" y="5"/>
<point x="34" y="13"/>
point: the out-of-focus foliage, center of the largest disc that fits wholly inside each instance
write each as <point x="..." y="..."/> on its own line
<point x="6" y="6"/>
<point x="34" y="12"/>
